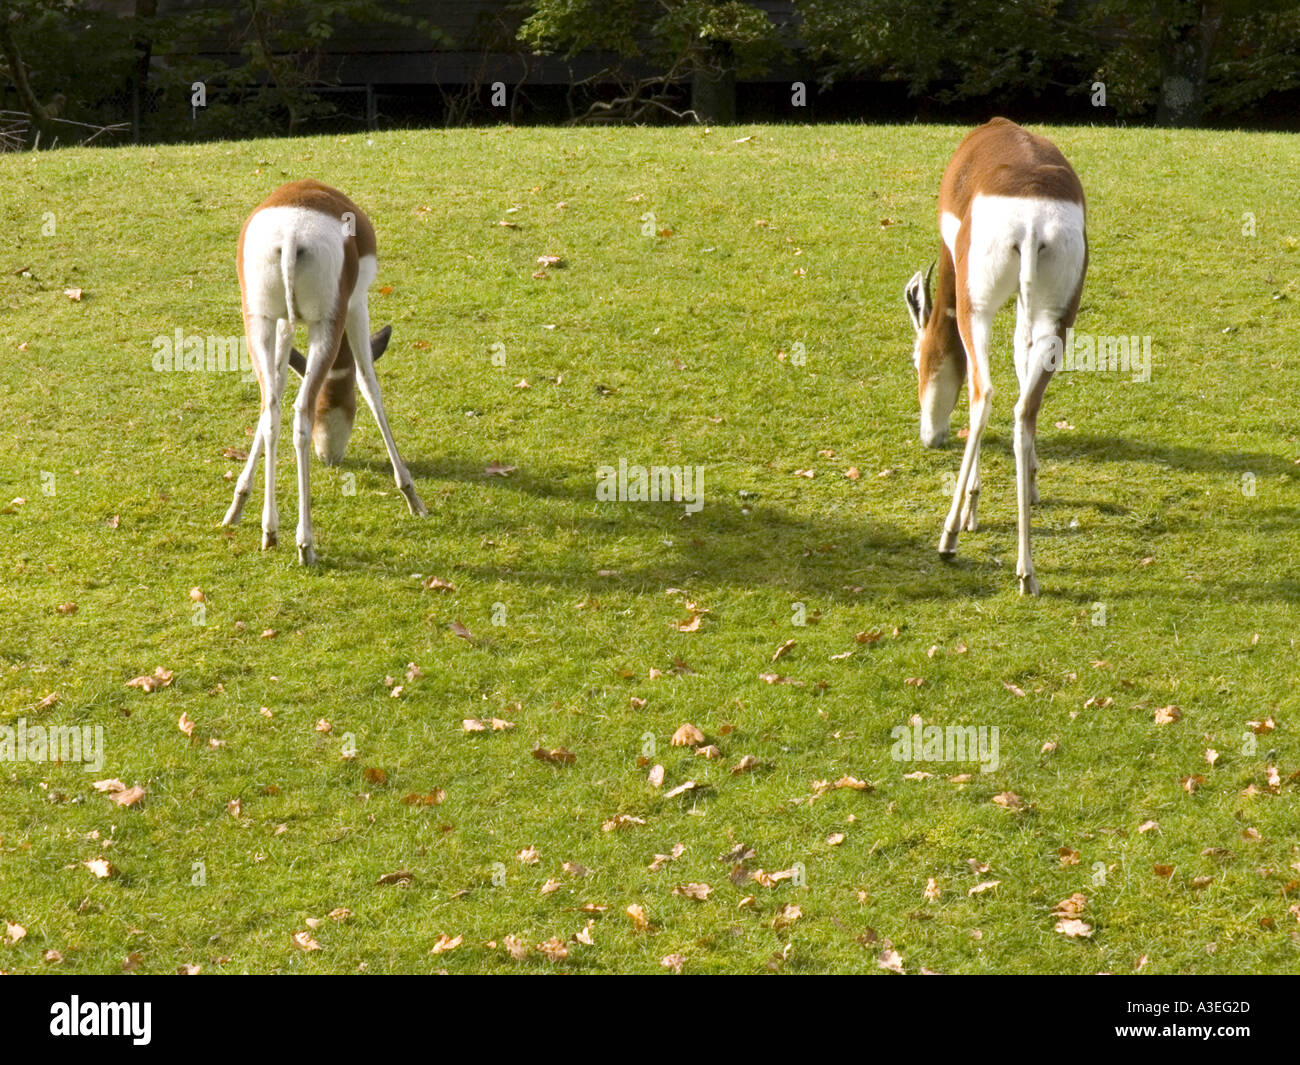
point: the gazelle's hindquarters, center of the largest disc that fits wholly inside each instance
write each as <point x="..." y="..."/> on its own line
<point x="307" y="254"/>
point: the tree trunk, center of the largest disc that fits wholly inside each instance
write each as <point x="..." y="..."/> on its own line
<point x="42" y="126"/>
<point x="144" y="9"/>
<point x="1185" y="65"/>
<point x="713" y="86"/>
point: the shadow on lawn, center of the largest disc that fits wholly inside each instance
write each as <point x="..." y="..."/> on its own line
<point x="1098" y="448"/>
<point x="844" y="556"/>
<point x="831" y="555"/>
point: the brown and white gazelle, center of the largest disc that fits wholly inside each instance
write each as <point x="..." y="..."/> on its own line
<point x="1011" y="214"/>
<point x="307" y="253"/>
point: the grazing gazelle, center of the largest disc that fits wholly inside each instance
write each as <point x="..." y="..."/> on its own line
<point x="307" y="253"/>
<point x="1011" y="215"/>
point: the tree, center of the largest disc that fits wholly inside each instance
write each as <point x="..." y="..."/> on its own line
<point x="948" y="48"/>
<point x="1191" y="59"/>
<point x="704" y="43"/>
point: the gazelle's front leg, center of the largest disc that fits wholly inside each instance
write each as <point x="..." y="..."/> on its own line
<point x="976" y="340"/>
<point x="244" y="484"/>
<point x="358" y="326"/>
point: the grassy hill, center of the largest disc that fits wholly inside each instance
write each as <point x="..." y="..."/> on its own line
<point x="732" y="299"/>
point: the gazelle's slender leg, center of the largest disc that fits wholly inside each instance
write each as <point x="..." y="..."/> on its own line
<point x="1023" y="344"/>
<point x="1039" y="368"/>
<point x="975" y="336"/>
<point x="244" y="484"/>
<point x="322" y="346"/>
<point x="969" y="522"/>
<point x="260" y="333"/>
<point x="358" y="327"/>
<point x="269" y="425"/>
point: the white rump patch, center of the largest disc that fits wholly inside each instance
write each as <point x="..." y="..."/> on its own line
<point x="317" y="270"/>
<point x="1047" y="234"/>
<point x="949" y="227"/>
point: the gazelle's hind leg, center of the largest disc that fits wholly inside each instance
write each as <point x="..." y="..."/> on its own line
<point x="1038" y="372"/>
<point x="322" y="347"/>
<point x="358" y="327"/>
<point x="1023" y="339"/>
<point x="271" y="333"/>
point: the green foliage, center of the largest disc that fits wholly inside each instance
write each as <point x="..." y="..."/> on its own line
<point x="677" y="35"/>
<point x="1253" y="50"/>
<point x="1234" y="53"/>
<point x="955" y="48"/>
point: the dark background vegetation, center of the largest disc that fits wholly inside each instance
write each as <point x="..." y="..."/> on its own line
<point x="110" y="71"/>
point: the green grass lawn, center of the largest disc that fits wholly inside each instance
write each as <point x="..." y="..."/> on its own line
<point x="758" y="332"/>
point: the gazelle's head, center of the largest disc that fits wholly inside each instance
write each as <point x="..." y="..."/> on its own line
<point x="336" y="402"/>
<point x="938" y="356"/>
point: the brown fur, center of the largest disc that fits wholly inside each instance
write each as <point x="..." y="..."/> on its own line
<point x="998" y="158"/>
<point x="339" y="392"/>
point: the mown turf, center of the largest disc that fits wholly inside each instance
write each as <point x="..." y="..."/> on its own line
<point x="677" y="348"/>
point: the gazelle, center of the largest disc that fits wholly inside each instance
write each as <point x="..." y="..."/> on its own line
<point x="1011" y="214"/>
<point x="308" y="253"/>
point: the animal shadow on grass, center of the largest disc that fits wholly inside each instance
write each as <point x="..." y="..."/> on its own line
<point x="845" y="556"/>
<point x="832" y="556"/>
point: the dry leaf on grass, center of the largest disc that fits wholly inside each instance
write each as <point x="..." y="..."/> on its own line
<point x="1073" y="928"/>
<point x="786" y="916"/>
<point x="401" y="876"/>
<point x="556" y="756"/>
<point x="622" y="821"/>
<point x="445" y="943"/>
<point x="160" y="678"/>
<point x="101" y="867"/>
<point x="784" y="649"/>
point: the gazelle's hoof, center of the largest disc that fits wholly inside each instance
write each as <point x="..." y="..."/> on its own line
<point x="306" y="555"/>
<point x="416" y="504"/>
<point x="269" y="539"/>
<point x="236" y="510"/>
<point x="1028" y="585"/>
<point x="948" y="544"/>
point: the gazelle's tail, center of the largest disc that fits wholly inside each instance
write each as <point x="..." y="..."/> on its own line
<point x="1028" y="265"/>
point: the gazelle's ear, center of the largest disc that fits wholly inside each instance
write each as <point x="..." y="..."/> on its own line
<point x="918" y="301"/>
<point x="379" y="342"/>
